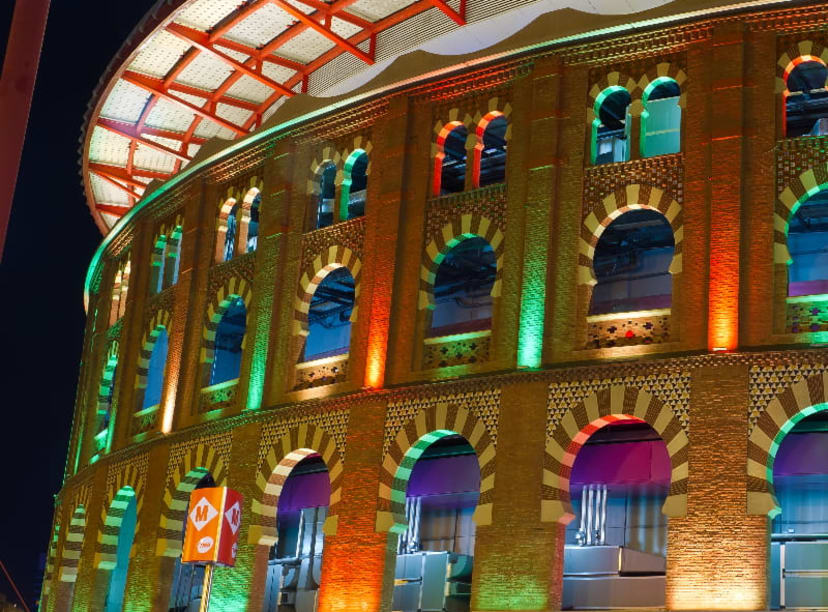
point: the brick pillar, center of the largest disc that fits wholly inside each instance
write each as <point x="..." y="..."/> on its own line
<point x="383" y="206"/>
<point x="542" y="169"/>
<point x="565" y="329"/>
<point x="758" y="285"/>
<point x="717" y="556"/>
<point x="197" y="253"/>
<point x="233" y="588"/>
<point x="727" y="65"/>
<point x="691" y="299"/>
<point x="90" y="580"/>
<point x="357" y="562"/>
<point x="518" y="561"/>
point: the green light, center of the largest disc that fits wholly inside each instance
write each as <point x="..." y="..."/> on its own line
<point x="533" y="288"/>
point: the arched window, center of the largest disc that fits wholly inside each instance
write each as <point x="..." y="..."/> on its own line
<point x="462" y="289"/>
<point x="618" y="485"/>
<point x="611" y="127"/>
<point x="329" y="316"/>
<point x="325" y="194"/>
<point x="188" y="578"/>
<point x="805" y="100"/>
<point x="173" y="257"/>
<point x="228" y="342"/>
<point x="300" y="516"/>
<point x="104" y="410"/>
<point x="631" y="263"/>
<point x="450" y="161"/>
<point x="253" y="223"/>
<point x="354" y="186"/>
<point x="120" y="288"/>
<point x="661" y="118"/>
<point x="155" y="368"/>
<point x="808" y="247"/>
<point x="122" y="516"/>
<point x="800" y="483"/>
<point x="227" y="230"/>
<point x="436" y="552"/>
<point x="490" y="150"/>
<point x="157" y="267"/>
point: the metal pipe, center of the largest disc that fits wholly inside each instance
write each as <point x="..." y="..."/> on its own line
<point x="590" y="518"/>
<point x="603" y="535"/>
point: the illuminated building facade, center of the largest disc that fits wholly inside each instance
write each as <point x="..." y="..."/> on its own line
<point x="541" y="318"/>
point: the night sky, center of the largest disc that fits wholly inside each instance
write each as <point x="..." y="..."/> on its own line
<point x="50" y="243"/>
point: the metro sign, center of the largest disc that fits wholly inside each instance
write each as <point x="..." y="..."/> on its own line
<point x="213" y="524"/>
<point x="203" y="513"/>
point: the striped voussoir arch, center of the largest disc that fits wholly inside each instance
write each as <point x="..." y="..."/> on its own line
<point x="127" y="485"/>
<point x="195" y="465"/>
<point x="73" y="544"/>
<point x="286" y="452"/>
<point x="107" y="374"/>
<point x="796" y="193"/>
<point x="50" y="560"/>
<point x="327" y="261"/>
<point x="664" y="70"/>
<point x="159" y="321"/>
<point x="628" y="198"/>
<point x="461" y="228"/>
<point x="236" y="287"/>
<point x="599" y="409"/>
<point x="419" y="433"/>
<point x="800" y="400"/>
<point x="612" y="79"/>
<point x="803" y="51"/>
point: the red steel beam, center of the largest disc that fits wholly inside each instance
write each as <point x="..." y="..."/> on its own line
<point x="193" y="91"/>
<point x="112" y="209"/>
<point x="122" y="130"/>
<point x="17" y="81"/>
<point x="118" y="172"/>
<point x="327" y="9"/>
<point x="324" y="31"/>
<point x="201" y="41"/>
<point x="234" y="18"/>
<point x="184" y="61"/>
<point x="145" y="84"/>
<point x="114" y="183"/>
<point x="256" y="53"/>
<point x="454" y="15"/>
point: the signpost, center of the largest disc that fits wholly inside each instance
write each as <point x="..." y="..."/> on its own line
<point x="212" y="533"/>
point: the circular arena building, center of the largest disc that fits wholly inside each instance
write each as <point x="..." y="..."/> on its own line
<point x="481" y="307"/>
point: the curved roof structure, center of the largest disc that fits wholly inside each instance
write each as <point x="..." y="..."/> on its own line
<point x="197" y="69"/>
<point x="194" y="70"/>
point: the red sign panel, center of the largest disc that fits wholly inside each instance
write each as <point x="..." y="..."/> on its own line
<point x="213" y="523"/>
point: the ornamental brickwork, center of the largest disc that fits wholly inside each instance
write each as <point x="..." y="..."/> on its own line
<point x="720" y="375"/>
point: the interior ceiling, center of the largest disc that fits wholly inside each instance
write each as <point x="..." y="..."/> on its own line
<point x="198" y="69"/>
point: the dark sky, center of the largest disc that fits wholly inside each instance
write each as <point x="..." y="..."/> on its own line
<point x="50" y="242"/>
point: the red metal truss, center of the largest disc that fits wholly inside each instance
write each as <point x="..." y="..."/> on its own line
<point x="458" y="18"/>
<point x="214" y="43"/>
<point x="201" y="41"/>
<point x="128" y="131"/>
<point x="112" y="209"/>
<point x="105" y="177"/>
<point x="324" y="29"/>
